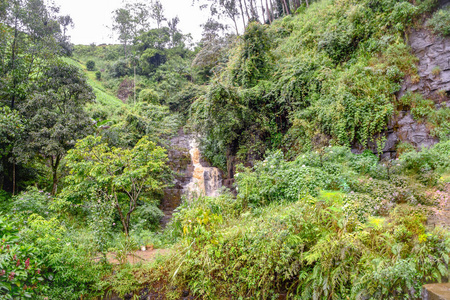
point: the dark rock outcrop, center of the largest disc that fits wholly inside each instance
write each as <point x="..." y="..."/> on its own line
<point x="433" y="82"/>
<point x="180" y="163"/>
<point x="193" y="175"/>
<point x="437" y="291"/>
<point x="433" y="52"/>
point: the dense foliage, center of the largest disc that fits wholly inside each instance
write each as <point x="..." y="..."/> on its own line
<point x="365" y="236"/>
<point x="329" y="73"/>
<point x="440" y="22"/>
<point x="84" y="160"/>
<point x="96" y="169"/>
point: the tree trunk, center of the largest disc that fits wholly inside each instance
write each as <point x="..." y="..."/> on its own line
<point x="235" y="25"/>
<point x="307" y="3"/>
<point x="286" y="8"/>
<point x="2" y="175"/>
<point x="246" y="11"/>
<point x="13" y="60"/>
<point x="14" y="179"/>
<point x="269" y="17"/>
<point x="55" y="165"/>
<point x="242" y="13"/>
<point x="253" y="11"/>
<point x="271" y="9"/>
<point x="133" y="196"/>
<point x="262" y="12"/>
<point x="119" y="210"/>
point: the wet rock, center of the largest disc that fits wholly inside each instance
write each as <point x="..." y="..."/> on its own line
<point x="436" y="291"/>
<point x="433" y="53"/>
<point x="415" y="133"/>
<point x="193" y="175"/>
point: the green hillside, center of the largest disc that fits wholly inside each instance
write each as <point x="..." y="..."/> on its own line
<point x="295" y="113"/>
<point x="328" y="75"/>
<point x="104" y="99"/>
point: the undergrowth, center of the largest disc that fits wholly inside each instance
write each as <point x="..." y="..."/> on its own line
<point x="328" y="225"/>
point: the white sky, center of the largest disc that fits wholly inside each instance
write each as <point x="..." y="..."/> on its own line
<point x="91" y="18"/>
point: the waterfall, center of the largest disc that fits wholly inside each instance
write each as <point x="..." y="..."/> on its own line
<point x="194" y="176"/>
<point x="205" y="180"/>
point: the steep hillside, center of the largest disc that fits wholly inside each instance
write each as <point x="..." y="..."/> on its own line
<point x="331" y="75"/>
<point x="318" y="119"/>
<point x="105" y="101"/>
<point x="330" y="124"/>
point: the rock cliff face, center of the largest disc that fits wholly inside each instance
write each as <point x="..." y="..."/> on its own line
<point x="433" y="53"/>
<point x="193" y="175"/>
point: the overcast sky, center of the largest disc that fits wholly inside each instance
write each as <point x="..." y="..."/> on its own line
<point x="93" y="17"/>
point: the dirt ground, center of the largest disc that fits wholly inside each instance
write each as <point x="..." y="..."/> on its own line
<point x="137" y="256"/>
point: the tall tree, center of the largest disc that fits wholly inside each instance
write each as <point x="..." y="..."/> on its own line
<point x="157" y="13"/>
<point x="11" y="128"/>
<point x="224" y="8"/>
<point x="55" y="116"/>
<point x="175" y="35"/>
<point x="30" y="38"/>
<point x="130" y="21"/>
<point x="229" y="8"/>
<point x="123" y="26"/>
<point x="66" y="22"/>
<point x="97" y="168"/>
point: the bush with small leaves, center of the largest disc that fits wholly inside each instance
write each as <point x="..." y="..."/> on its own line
<point x="90" y="65"/>
<point x="440" y="21"/>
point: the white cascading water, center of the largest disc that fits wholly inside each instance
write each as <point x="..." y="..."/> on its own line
<point x="205" y="181"/>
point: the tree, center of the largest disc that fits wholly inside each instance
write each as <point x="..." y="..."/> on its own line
<point x="130" y="21"/>
<point x="90" y="65"/>
<point x="30" y="35"/>
<point x="123" y="25"/>
<point x="176" y="37"/>
<point x="157" y="13"/>
<point x="227" y="8"/>
<point x="152" y="46"/>
<point x="55" y="116"/>
<point x="97" y="168"/>
<point x="66" y="22"/>
<point x="213" y="47"/>
<point x="11" y="128"/>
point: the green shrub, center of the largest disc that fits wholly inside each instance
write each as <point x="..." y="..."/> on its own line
<point x="428" y="163"/>
<point x="66" y="261"/>
<point x="5" y="201"/>
<point x="90" y="65"/>
<point x="20" y="267"/>
<point x="424" y="110"/>
<point x="149" y="96"/>
<point x="365" y="163"/>
<point x="274" y="180"/>
<point x="147" y="216"/>
<point x="33" y="201"/>
<point x="98" y="75"/>
<point x="363" y="206"/>
<point x="440" y="21"/>
<point x="308" y="248"/>
<point x="119" y="68"/>
<point x="404" y="147"/>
